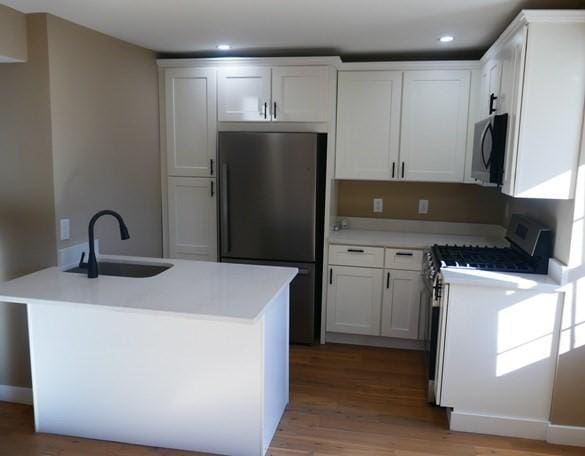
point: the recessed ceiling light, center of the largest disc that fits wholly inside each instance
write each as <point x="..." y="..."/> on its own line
<point x="446" y="39"/>
<point x="224" y="47"/>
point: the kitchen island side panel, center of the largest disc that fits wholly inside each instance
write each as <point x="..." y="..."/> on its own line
<point x="148" y="378"/>
<point x="500" y="352"/>
<point x="276" y="364"/>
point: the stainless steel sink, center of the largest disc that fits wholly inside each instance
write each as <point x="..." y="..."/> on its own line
<point x="134" y="270"/>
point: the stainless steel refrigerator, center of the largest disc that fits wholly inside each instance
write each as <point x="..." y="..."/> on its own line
<point x="271" y="212"/>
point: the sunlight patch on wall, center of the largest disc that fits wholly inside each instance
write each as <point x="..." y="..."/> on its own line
<point x="524" y="337"/>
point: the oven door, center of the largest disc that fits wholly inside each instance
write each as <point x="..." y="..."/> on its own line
<point x="441" y="304"/>
<point x="431" y="334"/>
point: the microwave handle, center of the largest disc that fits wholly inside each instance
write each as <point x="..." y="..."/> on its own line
<point x="491" y="130"/>
<point x="493" y="98"/>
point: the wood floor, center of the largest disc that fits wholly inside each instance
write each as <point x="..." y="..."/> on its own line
<point x="345" y="400"/>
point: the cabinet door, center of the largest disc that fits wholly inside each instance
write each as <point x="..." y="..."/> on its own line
<point x="190" y="121"/>
<point x="354" y="299"/>
<point x="401" y="304"/>
<point x="512" y="58"/>
<point x="368" y="124"/>
<point x="490" y="85"/>
<point x="434" y="125"/>
<point x="244" y="94"/>
<point x="299" y="94"/>
<point x="192" y="218"/>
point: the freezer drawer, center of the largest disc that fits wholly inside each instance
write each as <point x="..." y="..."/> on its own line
<point x="302" y="298"/>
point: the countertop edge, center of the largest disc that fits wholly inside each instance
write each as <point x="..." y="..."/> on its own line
<point x="19" y="300"/>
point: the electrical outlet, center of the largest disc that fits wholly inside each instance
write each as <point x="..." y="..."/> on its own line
<point x="64" y="229"/>
<point x="378" y="205"/>
<point x="423" y="206"/>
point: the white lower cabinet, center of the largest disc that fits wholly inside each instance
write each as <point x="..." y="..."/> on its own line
<point x="192" y="218"/>
<point x="401" y="304"/>
<point x="354" y="299"/>
<point x="364" y="298"/>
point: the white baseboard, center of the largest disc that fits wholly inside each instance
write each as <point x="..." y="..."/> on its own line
<point x="499" y="425"/>
<point x="374" y="341"/>
<point x="566" y="435"/>
<point x="16" y="394"/>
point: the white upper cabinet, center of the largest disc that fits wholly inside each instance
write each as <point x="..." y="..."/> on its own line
<point x="299" y="94"/>
<point x="541" y="57"/>
<point x="511" y="60"/>
<point x="368" y="124"/>
<point x="277" y="94"/>
<point x="244" y="94"/>
<point x="192" y="218"/>
<point x="490" y="87"/>
<point x="434" y="125"/>
<point x="190" y="117"/>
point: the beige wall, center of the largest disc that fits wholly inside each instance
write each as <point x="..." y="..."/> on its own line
<point x="447" y="202"/>
<point x="104" y="108"/>
<point x="27" y="227"/>
<point x="78" y="133"/>
<point x="13" y="46"/>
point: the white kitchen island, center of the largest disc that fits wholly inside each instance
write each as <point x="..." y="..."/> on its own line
<point x="195" y="358"/>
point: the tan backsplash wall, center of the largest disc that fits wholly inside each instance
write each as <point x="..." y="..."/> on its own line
<point x="447" y="202"/>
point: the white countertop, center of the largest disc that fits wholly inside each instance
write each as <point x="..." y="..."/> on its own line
<point x="415" y="240"/>
<point x="379" y="238"/>
<point x="512" y="281"/>
<point x="189" y="288"/>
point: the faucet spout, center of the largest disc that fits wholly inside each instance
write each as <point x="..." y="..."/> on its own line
<point x="92" y="265"/>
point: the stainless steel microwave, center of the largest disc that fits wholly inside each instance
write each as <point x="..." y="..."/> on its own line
<point x="489" y="149"/>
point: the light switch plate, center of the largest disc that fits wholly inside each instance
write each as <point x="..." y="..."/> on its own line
<point x="378" y="205"/>
<point x="64" y="229"/>
<point x="423" y="206"/>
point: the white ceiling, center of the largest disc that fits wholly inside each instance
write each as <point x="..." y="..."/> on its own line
<point x="283" y="27"/>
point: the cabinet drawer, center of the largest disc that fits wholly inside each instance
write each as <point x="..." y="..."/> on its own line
<point x="352" y="255"/>
<point x="405" y="259"/>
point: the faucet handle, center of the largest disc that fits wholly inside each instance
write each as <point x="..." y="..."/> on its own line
<point x="82" y="265"/>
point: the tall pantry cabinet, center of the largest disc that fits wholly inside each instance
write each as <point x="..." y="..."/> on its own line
<point x="189" y="140"/>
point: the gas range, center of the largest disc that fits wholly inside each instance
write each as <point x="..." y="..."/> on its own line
<point x="500" y="259"/>
<point x="529" y="252"/>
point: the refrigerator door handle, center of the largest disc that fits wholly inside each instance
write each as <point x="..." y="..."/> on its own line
<point x="225" y="209"/>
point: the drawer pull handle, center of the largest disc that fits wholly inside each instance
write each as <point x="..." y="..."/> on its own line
<point x="404" y="254"/>
<point x="388" y="280"/>
<point x="356" y="250"/>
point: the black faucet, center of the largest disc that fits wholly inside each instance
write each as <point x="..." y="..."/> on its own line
<point x="92" y="265"/>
